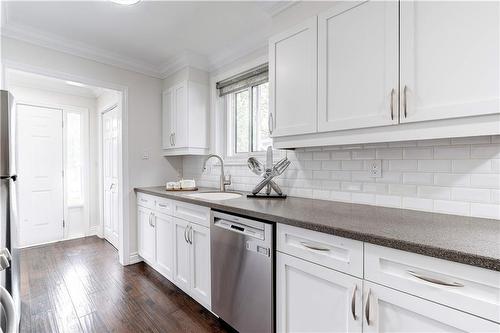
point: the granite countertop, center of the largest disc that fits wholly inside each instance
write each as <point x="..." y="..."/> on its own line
<point x="468" y="240"/>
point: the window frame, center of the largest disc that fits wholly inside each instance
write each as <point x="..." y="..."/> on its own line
<point x="231" y="124"/>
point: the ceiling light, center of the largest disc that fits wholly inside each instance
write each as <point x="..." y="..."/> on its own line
<point x="78" y="84"/>
<point x="126" y="2"/>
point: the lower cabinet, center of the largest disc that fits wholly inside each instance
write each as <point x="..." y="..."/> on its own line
<point x="192" y="260"/>
<point x="313" y="298"/>
<point x="146" y="234"/>
<point x="164" y="244"/>
<point x="389" y="310"/>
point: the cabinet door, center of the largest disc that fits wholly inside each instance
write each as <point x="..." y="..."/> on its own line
<point x="200" y="263"/>
<point x="181" y="255"/>
<point x="313" y="298"/>
<point x="164" y="244"/>
<point x="389" y="310"/>
<point x="449" y="59"/>
<point x="167" y="119"/>
<point x="146" y="230"/>
<point x="358" y="66"/>
<point x="180" y="102"/>
<point x="293" y="80"/>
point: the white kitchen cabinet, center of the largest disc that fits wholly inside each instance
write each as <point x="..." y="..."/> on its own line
<point x="185" y="119"/>
<point x="182" y="249"/>
<point x="313" y="298"/>
<point x="358" y="65"/>
<point x="450" y="63"/>
<point x="200" y="263"/>
<point x="164" y="244"/>
<point x="146" y="234"/>
<point x="293" y="80"/>
<point x="389" y="310"/>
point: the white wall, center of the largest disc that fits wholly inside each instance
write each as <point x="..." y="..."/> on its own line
<point x="144" y="112"/>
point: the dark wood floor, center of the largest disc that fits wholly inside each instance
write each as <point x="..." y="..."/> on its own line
<point x="79" y="286"/>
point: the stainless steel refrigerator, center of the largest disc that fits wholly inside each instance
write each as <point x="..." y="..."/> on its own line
<point x="9" y="251"/>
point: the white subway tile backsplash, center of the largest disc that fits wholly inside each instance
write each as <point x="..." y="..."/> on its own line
<point x="451" y="152"/>
<point x="453" y="176"/>
<point x="491" y="211"/>
<point x="389" y="153"/>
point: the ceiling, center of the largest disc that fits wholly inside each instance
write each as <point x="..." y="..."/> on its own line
<point x="155" y="38"/>
<point x="30" y="80"/>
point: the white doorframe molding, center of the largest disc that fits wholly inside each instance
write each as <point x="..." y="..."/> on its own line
<point x="125" y="191"/>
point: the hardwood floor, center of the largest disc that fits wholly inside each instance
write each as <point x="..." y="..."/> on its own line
<point x="79" y="286"/>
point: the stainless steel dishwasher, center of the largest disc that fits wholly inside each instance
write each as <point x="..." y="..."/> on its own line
<point x="242" y="255"/>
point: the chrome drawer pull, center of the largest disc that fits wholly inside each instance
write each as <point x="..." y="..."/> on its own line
<point x="314" y="247"/>
<point x="367" y="308"/>
<point x="162" y="205"/>
<point x="434" y="280"/>
<point x="353" y="302"/>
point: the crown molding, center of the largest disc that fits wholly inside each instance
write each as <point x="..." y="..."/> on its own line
<point x="280" y="6"/>
<point x="185" y="59"/>
<point x="53" y="42"/>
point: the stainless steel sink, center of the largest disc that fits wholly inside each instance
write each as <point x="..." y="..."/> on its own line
<point x="215" y="195"/>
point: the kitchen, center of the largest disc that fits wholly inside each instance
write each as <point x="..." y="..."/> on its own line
<point x="313" y="167"/>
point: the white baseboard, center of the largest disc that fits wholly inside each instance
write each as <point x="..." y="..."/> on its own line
<point x="93" y="230"/>
<point x="134" y="258"/>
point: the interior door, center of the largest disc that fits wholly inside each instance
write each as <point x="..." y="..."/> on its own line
<point x="450" y="59"/>
<point x="181" y="254"/>
<point x="312" y="298"/>
<point x="389" y="310"/>
<point x="110" y="163"/>
<point x="40" y="170"/>
<point x="358" y="65"/>
<point x="200" y="263"/>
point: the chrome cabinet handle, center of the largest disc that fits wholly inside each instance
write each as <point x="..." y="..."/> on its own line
<point x="434" y="280"/>
<point x="170" y="139"/>
<point x="111" y="186"/>
<point x="162" y="205"/>
<point x="152" y="219"/>
<point x="143" y="200"/>
<point x="149" y="219"/>
<point x="367" y="308"/>
<point x="190" y="235"/>
<point x="314" y="247"/>
<point x="353" y="302"/>
<point x="185" y="234"/>
<point x="270" y="123"/>
<point x="173" y="139"/>
<point x="405" y="90"/>
<point x="392" y="103"/>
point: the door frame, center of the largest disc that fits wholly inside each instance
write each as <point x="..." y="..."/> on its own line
<point x="124" y="255"/>
<point x="100" y="115"/>
<point x="86" y="169"/>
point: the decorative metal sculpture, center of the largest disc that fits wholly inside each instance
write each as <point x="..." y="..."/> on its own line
<point x="268" y="172"/>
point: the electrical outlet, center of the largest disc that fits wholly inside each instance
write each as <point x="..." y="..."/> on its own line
<point x="375" y="169"/>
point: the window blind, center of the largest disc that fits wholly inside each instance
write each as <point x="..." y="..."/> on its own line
<point x="252" y="77"/>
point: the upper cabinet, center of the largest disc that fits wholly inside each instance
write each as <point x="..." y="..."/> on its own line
<point x="293" y="80"/>
<point x="185" y="119"/>
<point x="387" y="71"/>
<point x="358" y="62"/>
<point x="450" y="60"/>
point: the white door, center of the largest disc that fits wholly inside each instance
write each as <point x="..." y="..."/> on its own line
<point x="293" y="80"/>
<point x="168" y="125"/>
<point x="450" y="59"/>
<point x="147" y="234"/>
<point x="358" y="65"/>
<point x="40" y="167"/>
<point x="388" y="310"/>
<point x="181" y="255"/>
<point x="200" y="264"/>
<point x="164" y="244"/>
<point x="313" y="298"/>
<point x="180" y="137"/>
<point x="110" y="164"/>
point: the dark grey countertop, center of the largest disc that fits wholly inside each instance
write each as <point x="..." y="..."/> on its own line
<point x="468" y="240"/>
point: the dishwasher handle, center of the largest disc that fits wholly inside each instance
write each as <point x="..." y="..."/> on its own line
<point x="239" y="228"/>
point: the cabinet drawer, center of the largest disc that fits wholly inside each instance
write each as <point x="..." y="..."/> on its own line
<point x="192" y="213"/>
<point x="146" y="200"/>
<point x="342" y="254"/>
<point x="467" y="288"/>
<point x="164" y="206"/>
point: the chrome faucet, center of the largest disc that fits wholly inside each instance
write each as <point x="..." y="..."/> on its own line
<point x="224" y="181"/>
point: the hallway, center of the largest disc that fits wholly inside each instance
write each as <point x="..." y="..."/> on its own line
<point x="79" y="286"/>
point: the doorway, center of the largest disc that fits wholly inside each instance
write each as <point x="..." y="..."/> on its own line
<point x="110" y="167"/>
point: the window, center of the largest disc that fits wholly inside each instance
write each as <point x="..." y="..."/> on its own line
<point x="249" y="110"/>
